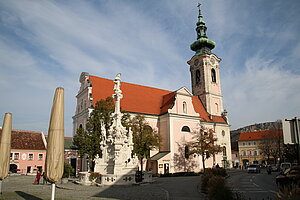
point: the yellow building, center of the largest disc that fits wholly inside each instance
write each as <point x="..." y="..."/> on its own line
<point x="250" y="145"/>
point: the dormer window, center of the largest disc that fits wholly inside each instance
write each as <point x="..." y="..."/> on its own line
<point x="184" y="107"/>
<point x="213" y="76"/>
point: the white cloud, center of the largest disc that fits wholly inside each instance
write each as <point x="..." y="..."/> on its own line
<point x="264" y="91"/>
<point x="45" y="44"/>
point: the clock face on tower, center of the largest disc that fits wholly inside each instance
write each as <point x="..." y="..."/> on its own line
<point x="212" y="61"/>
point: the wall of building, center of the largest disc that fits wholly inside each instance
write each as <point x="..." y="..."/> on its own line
<point x="27" y="164"/>
<point x="247" y="151"/>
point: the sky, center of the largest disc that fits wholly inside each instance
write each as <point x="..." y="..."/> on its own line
<point x="47" y="44"/>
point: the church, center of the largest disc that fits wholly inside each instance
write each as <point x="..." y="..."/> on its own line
<point x="175" y="115"/>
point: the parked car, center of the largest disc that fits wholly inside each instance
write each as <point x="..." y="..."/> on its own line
<point x="253" y="168"/>
<point x="284" y="166"/>
<point x="274" y="168"/>
<point x="289" y="176"/>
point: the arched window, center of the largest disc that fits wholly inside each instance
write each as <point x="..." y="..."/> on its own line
<point x="224" y="151"/>
<point x="186" y="152"/>
<point x="255" y="153"/>
<point x="148" y="128"/>
<point x="244" y="153"/>
<point x="80" y="126"/>
<point x="186" y="129"/>
<point x="217" y="107"/>
<point x="184" y="107"/>
<point x="197" y="76"/>
<point x="213" y="75"/>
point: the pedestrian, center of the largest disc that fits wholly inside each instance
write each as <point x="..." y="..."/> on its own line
<point x="217" y="166"/>
<point x="38" y="177"/>
<point x="44" y="178"/>
<point x="269" y="169"/>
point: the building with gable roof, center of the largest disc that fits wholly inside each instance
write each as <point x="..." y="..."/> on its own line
<point x="174" y="114"/>
<point x="249" y="146"/>
<point x="28" y="151"/>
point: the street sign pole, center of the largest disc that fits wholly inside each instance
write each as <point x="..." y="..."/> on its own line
<point x="297" y="135"/>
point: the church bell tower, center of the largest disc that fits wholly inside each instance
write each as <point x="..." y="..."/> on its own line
<point x="205" y="71"/>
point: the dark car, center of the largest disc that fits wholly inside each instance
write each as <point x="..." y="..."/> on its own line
<point x="274" y="168"/>
<point x="289" y="176"/>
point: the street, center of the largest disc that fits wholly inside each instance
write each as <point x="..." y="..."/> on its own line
<point x="253" y="186"/>
<point x="178" y="188"/>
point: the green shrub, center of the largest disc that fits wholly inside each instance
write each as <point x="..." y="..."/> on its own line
<point x="217" y="189"/>
<point x="179" y="174"/>
<point x="68" y="170"/>
<point x="291" y="192"/>
<point x="204" y="181"/>
<point x="216" y="171"/>
<point x="209" y="173"/>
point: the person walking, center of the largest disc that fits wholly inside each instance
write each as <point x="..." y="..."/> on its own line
<point x="38" y="177"/>
<point x="44" y="178"/>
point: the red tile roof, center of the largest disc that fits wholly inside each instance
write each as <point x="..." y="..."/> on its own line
<point x="167" y="102"/>
<point x="143" y="99"/>
<point x="260" y="135"/>
<point x="136" y="98"/>
<point x="199" y="108"/>
<point x="21" y="139"/>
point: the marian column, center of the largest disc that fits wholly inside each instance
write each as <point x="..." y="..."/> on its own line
<point x="116" y="160"/>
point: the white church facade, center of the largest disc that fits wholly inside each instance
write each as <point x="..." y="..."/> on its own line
<point x="174" y="114"/>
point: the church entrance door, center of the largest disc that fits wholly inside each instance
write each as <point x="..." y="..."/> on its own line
<point x="166" y="168"/>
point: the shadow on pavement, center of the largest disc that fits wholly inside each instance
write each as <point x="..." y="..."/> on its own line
<point x="27" y="196"/>
<point x="133" y="192"/>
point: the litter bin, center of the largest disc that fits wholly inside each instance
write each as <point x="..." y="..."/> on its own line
<point x="138" y="177"/>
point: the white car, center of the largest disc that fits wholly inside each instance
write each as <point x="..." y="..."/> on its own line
<point x="254" y="168"/>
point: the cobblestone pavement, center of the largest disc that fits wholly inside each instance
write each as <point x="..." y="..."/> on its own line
<point x="22" y="187"/>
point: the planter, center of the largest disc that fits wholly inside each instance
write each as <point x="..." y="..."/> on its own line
<point x="64" y="180"/>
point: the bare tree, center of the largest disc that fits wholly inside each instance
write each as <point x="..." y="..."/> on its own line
<point x="272" y="145"/>
<point x="204" y="144"/>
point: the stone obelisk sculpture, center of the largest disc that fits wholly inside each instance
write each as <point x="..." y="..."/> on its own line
<point x="116" y="165"/>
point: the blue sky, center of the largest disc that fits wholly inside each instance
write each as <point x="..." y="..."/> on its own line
<point x="46" y="44"/>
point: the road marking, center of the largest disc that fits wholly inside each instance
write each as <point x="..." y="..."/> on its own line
<point x="255" y="184"/>
<point x="259" y="191"/>
<point x="167" y="193"/>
